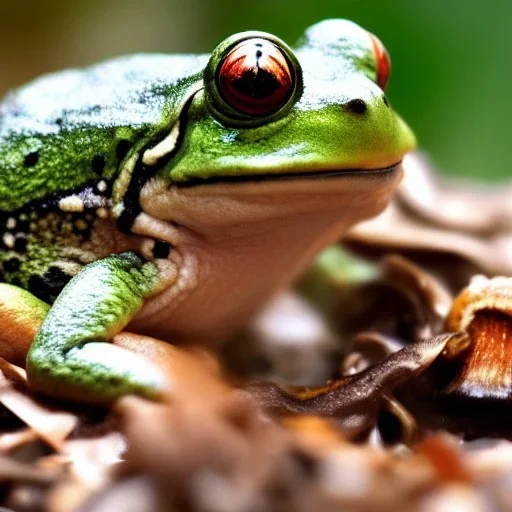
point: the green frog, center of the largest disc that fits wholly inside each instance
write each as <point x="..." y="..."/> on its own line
<point x="174" y="194"/>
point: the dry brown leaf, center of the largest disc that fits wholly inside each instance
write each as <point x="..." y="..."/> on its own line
<point x="456" y="228"/>
<point x="11" y="440"/>
<point x="446" y="457"/>
<point x="91" y="463"/>
<point x="353" y="401"/>
<point x="50" y="425"/>
<point x="11" y="470"/>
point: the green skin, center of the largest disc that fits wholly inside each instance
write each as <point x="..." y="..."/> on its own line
<point x="117" y="180"/>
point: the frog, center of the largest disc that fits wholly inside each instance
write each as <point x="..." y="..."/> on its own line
<point x="173" y="195"/>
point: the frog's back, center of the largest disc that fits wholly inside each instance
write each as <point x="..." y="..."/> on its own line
<point x="62" y="139"/>
<point x="52" y="129"/>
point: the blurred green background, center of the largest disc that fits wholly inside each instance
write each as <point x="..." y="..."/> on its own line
<point x="451" y="72"/>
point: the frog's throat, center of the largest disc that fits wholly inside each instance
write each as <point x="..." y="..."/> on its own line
<point x="239" y="242"/>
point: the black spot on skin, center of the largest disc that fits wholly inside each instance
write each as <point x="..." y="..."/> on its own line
<point x="11" y="265"/>
<point x="20" y="244"/>
<point x="122" y="148"/>
<point x="161" y="249"/>
<point x="22" y="226"/>
<point x="15" y="281"/>
<point x="98" y="164"/>
<point x="385" y="100"/>
<point x="48" y="286"/>
<point x="357" y="106"/>
<point x="31" y="159"/>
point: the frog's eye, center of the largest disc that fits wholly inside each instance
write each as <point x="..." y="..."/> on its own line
<point x="382" y="60"/>
<point x="252" y="78"/>
<point x="255" y="77"/>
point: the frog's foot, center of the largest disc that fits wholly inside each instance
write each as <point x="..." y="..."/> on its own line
<point x="69" y="358"/>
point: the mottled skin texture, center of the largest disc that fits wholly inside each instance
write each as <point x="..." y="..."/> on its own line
<point x="140" y="179"/>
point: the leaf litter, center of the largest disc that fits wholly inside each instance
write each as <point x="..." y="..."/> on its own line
<point x="386" y="404"/>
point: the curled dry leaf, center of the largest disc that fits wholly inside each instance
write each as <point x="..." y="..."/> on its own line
<point x="288" y="340"/>
<point x="446" y="457"/>
<point x="91" y="463"/>
<point x="429" y="299"/>
<point x="491" y="461"/>
<point x="52" y="426"/>
<point x="224" y="456"/>
<point x="354" y="401"/>
<point x="407" y="426"/>
<point x="202" y="453"/>
<point x="10" y="470"/>
<point x="457" y="229"/>
<point x="369" y="347"/>
<point x="472" y="207"/>
<point x="403" y="302"/>
<point x="9" y="441"/>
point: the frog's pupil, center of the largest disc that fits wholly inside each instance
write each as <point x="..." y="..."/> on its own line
<point x="31" y="159"/>
<point x="256" y="83"/>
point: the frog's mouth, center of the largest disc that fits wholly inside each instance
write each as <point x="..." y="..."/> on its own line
<point x="222" y="206"/>
<point x="302" y="175"/>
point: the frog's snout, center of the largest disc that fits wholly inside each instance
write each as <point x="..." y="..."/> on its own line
<point x="363" y="113"/>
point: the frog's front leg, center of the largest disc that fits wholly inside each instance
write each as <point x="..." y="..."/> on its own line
<point x="69" y="358"/>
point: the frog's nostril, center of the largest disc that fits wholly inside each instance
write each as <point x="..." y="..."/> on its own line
<point x="386" y="101"/>
<point x="357" y="106"/>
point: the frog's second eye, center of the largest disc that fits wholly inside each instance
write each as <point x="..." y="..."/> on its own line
<point x="255" y="77"/>
<point x="382" y="60"/>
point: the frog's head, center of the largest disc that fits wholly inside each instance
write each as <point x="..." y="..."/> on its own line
<point x="269" y="110"/>
<point x="265" y="120"/>
<point x="277" y="151"/>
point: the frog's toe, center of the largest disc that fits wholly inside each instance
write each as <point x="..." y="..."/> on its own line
<point x="21" y="315"/>
<point x="96" y="373"/>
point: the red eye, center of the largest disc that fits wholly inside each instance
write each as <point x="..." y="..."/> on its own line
<point x="255" y="77"/>
<point x="382" y="60"/>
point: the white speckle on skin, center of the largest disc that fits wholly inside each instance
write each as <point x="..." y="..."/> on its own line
<point x="71" y="204"/>
<point x="117" y="210"/>
<point x="8" y="240"/>
<point x="163" y="148"/>
<point x="68" y="267"/>
<point x="11" y="223"/>
<point x="102" y="186"/>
